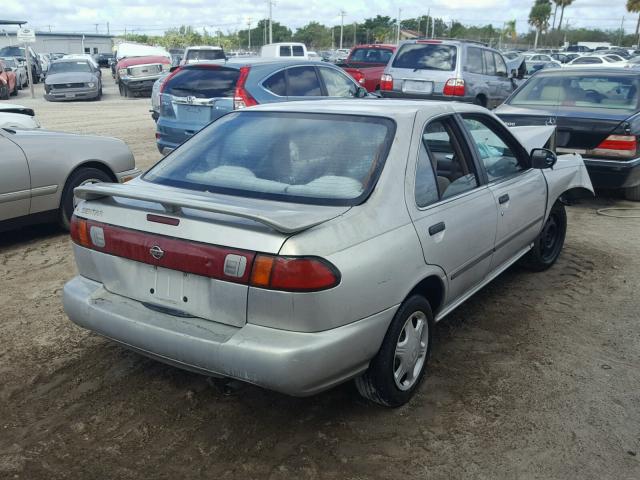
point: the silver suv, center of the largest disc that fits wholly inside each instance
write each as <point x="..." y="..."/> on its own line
<point x="448" y="70"/>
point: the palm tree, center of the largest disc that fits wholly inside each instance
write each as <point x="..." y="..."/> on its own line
<point x="510" y="29"/>
<point x="633" y="6"/>
<point x="562" y="4"/>
<point x="539" y="17"/>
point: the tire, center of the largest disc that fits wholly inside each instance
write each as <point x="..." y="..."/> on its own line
<point x="19" y="84"/>
<point x="632" y="193"/>
<point x="122" y="89"/>
<point x="480" y="101"/>
<point x="81" y="176"/>
<point x="379" y="383"/>
<point x="15" y="89"/>
<point x="36" y="77"/>
<point x="4" y="92"/>
<point x="548" y="245"/>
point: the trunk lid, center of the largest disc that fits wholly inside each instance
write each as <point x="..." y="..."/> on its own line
<point x="182" y="252"/>
<point x="576" y="128"/>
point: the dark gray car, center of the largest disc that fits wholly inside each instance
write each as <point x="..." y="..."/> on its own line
<point x="72" y="79"/>
<point x="448" y="70"/>
<point x="195" y="95"/>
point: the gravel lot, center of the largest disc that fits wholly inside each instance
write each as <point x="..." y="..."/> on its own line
<point x="536" y="377"/>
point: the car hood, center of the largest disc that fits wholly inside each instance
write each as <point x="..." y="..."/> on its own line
<point x="71" y="77"/>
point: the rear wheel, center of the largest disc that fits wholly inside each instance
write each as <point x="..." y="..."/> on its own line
<point x="4" y="92"/>
<point x="480" y="100"/>
<point x="547" y="247"/>
<point x="632" y="193"/>
<point x="396" y="371"/>
<point x="82" y="176"/>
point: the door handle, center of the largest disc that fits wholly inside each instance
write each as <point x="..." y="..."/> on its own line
<point x="437" y="228"/>
<point x="503" y="198"/>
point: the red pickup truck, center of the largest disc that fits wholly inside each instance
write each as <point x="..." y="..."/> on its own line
<point x="366" y="64"/>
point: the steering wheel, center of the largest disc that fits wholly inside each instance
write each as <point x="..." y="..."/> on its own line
<point x="594" y="95"/>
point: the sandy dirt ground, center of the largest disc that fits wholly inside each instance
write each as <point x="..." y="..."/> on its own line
<point x="536" y="377"/>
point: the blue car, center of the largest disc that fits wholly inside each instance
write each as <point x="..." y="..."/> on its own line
<point x="194" y="95"/>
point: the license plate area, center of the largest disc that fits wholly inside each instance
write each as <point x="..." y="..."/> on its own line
<point x="169" y="286"/>
<point x="194" y="113"/>
<point x="417" y="86"/>
<point x="69" y="95"/>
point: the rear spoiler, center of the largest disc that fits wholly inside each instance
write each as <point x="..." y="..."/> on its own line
<point x="280" y="218"/>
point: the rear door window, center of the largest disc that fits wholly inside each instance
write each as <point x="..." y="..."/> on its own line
<point x="474" y="60"/>
<point x="297" y="51"/>
<point x="277" y="84"/>
<point x="203" y="82"/>
<point x="285" y="51"/>
<point x="303" y="82"/>
<point x="454" y="170"/>
<point x="426" y="56"/>
<point x="489" y="63"/>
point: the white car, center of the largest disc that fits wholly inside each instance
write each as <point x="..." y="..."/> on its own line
<point x="17" y="116"/>
<point x="205" y="53"/>
<point x="596" y="61"/>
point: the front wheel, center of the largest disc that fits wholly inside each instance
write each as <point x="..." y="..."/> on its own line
<point x="4" y="92"/>
<point x="396" y="371"/>
<point x="82" y="176"/>
<point x="548" y="245"/>
<point x="632" y="193"/>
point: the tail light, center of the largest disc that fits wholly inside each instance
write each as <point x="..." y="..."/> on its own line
<point x="242" y="98"/>
<point x="454" y="87"/>
<point x="292" y="274"/>
<point x="618" y="146"/>
<point x="358" y="77"/>
<point x="386" y="82"/>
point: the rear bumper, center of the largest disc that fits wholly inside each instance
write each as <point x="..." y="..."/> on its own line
<point x="171" y="134"/>
<point x="613" y="173"/>
<point x="294" y="363"/>
<point x="431" y="96"/>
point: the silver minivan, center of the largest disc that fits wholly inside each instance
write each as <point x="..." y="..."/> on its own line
<point x="448" y="70"/>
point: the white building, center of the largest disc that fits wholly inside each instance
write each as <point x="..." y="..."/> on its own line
<point x="51" y="42"/>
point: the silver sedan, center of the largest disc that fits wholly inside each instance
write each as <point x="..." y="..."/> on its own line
<point x="41" y="168"/>
<point x="299" y="245"/>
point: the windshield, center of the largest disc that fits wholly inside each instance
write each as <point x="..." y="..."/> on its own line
<point x="590" y="91"/>
<point x="69" y="67"/>
<point x="420" y="56"/>
<point x="9" y="62"/>
<point x="11" y="52"/>
<point x="297" y="157"/>
<point x="205" y="55"/>
<point x="370" y="55"/>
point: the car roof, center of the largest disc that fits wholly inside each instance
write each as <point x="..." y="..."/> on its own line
<point x="588" y="70"/>
<point x="71" y="59"/>
<point x="204" y="47"/>
<point x="370" y="107"/>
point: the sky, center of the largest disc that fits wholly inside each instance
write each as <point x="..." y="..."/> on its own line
<point x="155" y="16"/>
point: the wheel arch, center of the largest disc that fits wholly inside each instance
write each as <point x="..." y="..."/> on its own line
<point x="91" y="163"/>
<point x="433" y="289"/>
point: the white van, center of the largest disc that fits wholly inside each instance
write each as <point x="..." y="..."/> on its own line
<point x="285" y="50"/>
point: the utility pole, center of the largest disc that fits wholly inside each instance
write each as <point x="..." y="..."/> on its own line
<point x="433" y="27"/>
<point x="426" y="29"/>
<point x="355" y="27"/>
<point x="621" y="31"/>
<point x="342" y="14"/>
<point x="249" y="25"/>
<point x="270" y="21"/>
<point x="108" y="33"/>
<point x="398" y="32"/>
<point x="96" y="24"/>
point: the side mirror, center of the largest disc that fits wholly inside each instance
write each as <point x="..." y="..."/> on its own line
<point x="361" y="92"/>
<point x="542" y="158"/>
<point x="174" y="68"/>
<point x="513" y="73"/>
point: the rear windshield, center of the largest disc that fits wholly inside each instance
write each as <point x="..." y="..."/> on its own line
<point x="67" y="67"/>
<point x="590" y="91"/>
<point x="203" y="82"/>
<point x="11" y="52"/>
<point x="205" y="55"/>
<point x="420" y="56"/>
<point x="370" y="55"/>
<point x="586" y="60"/>
<point x="297" y="157"/>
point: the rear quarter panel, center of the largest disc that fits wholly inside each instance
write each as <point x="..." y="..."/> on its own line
<point x="52" y="157"/>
